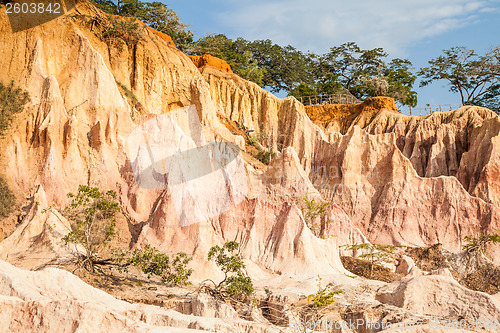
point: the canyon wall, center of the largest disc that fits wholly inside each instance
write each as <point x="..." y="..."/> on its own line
<point x="402" y="180"/>
<point x="88" y="94"/>
<point x="392" y="178"/>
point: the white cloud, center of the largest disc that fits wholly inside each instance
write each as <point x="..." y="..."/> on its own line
<point x="317" y="25"/>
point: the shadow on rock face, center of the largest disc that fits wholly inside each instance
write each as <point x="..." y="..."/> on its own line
<point x="26" y="14"/>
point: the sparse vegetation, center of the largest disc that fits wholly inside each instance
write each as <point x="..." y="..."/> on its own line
<point x="485" y="278"/>
<point x="375" y="254"/>
<point x="130" y="95"/>
<point x="317" y="305"/>
<point x="115" y="30"/>
<point x="155" y="14"/>
<point x="7" y="199"/>
<point x="236" y="284"/>
<point x="314" y="210"/>
<point x="254" y="139"/>
<point x="257" y="138"/>
<point x="12" y="101"/>
<point x="428" y="258"/>
<point x="265" y="156"/>
<point x="155" y="263"/>
<point x="92" y="214"/>
<point x="480" y="244"/>
<point x="122" y="30"/>
<point x="364" y="268"/>
<point x="324" y="295"/>
<point x="468" y="268"/>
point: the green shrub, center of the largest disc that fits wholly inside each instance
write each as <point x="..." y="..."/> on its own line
<point x="317" y="305"/>
<point x="113" y="29"/>
<point x="122" y="30"/>
<point x="12" y="101"/>
<point x="130" y="95"/>
<point x="236" y="284"/>
<point x="155" y="14"/>
<point x="324" y="296"/>
<point x="313" y="209"/>
<point x="7" y="199"/>
<point x="480" y="243"/>
<point x="152" y="262"/>
<point x="92" y="215"/>
<point x="257" y="137"/>
<point x="265" y="156"/>
<point x="253" y="140"/>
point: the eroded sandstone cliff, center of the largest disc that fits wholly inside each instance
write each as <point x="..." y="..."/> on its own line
<point x="388" y="178"/>
<point x="394" y="176"/>
<point x="402" y="179"/>
<point x="89" y="94"/>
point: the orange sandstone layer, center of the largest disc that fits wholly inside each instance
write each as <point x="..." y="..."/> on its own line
<point x="208" y="60"/>
<point x="322" y="114"/>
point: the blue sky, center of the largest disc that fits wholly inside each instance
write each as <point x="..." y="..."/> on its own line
<point x="414" y="29"/>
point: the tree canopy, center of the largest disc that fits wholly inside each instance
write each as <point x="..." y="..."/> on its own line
<point x="261" y="61"/>
<point x="363" y="73"/>
<point x="475" y="77"/>
<point x="286" y="67"/>
<point x="235" y="53"/>
<point x="353" y="67"/>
